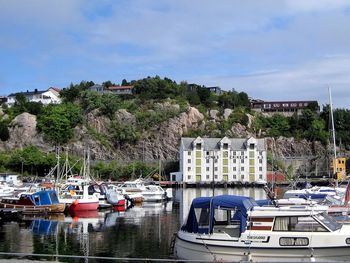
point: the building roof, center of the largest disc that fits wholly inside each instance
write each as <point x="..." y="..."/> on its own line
<point x="55" y="88"/>
<point x="211" y="144"/>
<point x="28" y="93"/>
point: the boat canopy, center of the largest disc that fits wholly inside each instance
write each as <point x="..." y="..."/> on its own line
<point x="201" y="217"/>
<point x="44" y="197"/>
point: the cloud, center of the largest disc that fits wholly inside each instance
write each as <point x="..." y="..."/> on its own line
<point x="309" y="81"/>
<point x="230" y="42"/>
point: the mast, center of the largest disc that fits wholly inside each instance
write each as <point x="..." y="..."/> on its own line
<point x="333" y="135"/>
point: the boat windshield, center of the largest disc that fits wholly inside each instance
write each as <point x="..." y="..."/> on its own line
<point x="328" y="221"/>
<point x="330" y="200"/>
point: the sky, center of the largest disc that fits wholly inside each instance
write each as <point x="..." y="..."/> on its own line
<point x="271" y="49"/>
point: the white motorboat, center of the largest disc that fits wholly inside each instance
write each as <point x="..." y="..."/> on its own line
<point x="233" y="228"/>
<point x="6" y="191"/>
<point x="149" y="192"/>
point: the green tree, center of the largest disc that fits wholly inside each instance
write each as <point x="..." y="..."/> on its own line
<point x="57" y="122"/>
<point x="124" y="133"/>
<point x="4" y="131"/>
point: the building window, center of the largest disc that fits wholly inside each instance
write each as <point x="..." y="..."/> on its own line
<point x="198" y="146"/>
<point x="234" y="168"/>
<point x="189" y="177"/>
<point x="260" y="160"/>
<point x="234" y="153"/>
<point x="260" y="176"/>
<point x="225" y="146"/>
<point x="225" y="154"/>
<point x="251" y="146"/>
<point x="234" y="160"/>
<point x="242" y="169"/>
<point x="242" y="176"/>
<point x="207" y="176"/>
<point x="216" y="160"/>
<point x="242" y="153"/>
<point x="189" y="161"/>
<point x="216" y="176"/>
<point x="207" y="168"/>
<point x="188" y="168"/>
<point x="242" y="160"/>
<point x="260" y="169"/>
<point x="260" y="153"/>
<point x="234" y="176"/>
<point x="215" y="169"/>
<point x="207" y="153"/>
<point x="207" y="160"/>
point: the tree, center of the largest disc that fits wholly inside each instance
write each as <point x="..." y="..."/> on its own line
<point x="4" y="132"/>
<point x="57" y="122"/>
<point x="108" y="84"/>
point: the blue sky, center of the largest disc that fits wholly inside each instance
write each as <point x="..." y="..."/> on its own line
<point x="271" y="49"/>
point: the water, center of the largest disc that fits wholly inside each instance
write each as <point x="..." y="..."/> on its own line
<point x="139" y="232"/>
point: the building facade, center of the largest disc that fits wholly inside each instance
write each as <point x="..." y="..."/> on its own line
<point x="285" y="107"/>
<point x="206" y="160"/>
<point x="118" y="90"/>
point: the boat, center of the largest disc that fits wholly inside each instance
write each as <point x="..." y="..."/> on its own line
<point x="234" y="228"/>
<point x="44" y="201"/>
<point x="76" y="196"/>
<point x="6" y="190"/>
<point x="149" y="192"/>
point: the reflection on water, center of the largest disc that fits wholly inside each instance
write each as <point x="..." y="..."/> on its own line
<point x="140" y="232"/>
<point x="186" y="196"/>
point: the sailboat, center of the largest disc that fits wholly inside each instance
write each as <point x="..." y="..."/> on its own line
<point x="75" y="191"/>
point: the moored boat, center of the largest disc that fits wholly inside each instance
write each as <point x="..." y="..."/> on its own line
<point x="234" y="228"/>
<point x="45" y="200"/>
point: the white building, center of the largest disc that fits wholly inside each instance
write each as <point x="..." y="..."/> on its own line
<point x="205" y="160"/>
<point x="52" y="95"/>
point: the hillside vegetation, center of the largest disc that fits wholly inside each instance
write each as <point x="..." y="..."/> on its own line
<point x="149" y="123"/>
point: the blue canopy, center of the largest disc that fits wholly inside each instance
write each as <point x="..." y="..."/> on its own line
<point x="191" y="224"/>
<point x="44" y="197"/>
<point x="241" y="204"/>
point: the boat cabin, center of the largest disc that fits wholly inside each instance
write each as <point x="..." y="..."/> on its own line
<point x="233" y="215"/>
<point x="225" y="213"/>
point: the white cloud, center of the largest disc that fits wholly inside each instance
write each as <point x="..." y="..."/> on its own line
<point x="309" y="81"/>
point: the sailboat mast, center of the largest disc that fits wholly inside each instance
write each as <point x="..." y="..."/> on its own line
<point x="333" y="134"/>
<point x="332" y="121"/>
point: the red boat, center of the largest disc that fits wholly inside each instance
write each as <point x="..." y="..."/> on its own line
<point x="79" y="205"/>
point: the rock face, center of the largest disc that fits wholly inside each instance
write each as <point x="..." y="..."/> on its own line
<point x="213" y="114"/>
<point x="227" y="113"/>
<point x="97" y="121"/>
<point x="289" y="147"/>
<point x="23" y="132"/>
<point x="161" y="140"/>
<point x="124" y="116"/>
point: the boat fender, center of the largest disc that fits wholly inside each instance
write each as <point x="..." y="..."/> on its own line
<point x="75" y="202"/>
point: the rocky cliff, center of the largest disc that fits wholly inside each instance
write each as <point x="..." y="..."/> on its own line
<point x="161" y="140"/>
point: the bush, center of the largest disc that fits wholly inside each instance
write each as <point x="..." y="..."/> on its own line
<point x="4" y="132"/>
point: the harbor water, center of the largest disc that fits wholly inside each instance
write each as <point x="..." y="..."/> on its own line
<point x="138" y="233"/>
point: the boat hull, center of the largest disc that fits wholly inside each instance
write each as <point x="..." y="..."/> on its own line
<point x="55" y="208"/>
<point x="80" y="206"/>
<point x="188" y="250"/>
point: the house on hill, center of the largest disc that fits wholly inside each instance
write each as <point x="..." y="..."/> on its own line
<point x="51" y="95"/>
<point x="284" y="107"/>
<point x="118" y="90"/>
